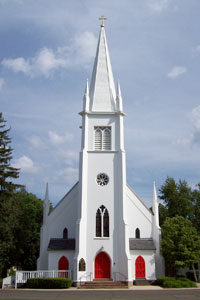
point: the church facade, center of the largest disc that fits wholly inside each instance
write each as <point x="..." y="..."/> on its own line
<point x="101" y="228"/>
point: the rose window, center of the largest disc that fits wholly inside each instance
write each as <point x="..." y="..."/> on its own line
<point x="102" y="179"/>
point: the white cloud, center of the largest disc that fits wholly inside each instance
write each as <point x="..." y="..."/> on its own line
<point x="158" y="5"/>
<point x="195" y="116"/>
<point x="35" y="141"/>
<point x="176" y="71"/>
<point x="46" y="61"/>
<point x="68" y="175"/>
<point x="2" y="82"/>
<point x="69" y="156"/>
<point x="57" y="139"/>
<point x="26" y="165"/>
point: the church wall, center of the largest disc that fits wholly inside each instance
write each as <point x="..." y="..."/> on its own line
<point x="138" y="216"/>
<point x="66" y="213"/>
<point x="54" y="257"/>
<point x="149" y="257"/>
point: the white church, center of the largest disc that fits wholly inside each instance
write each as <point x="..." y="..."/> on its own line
<point x="101" y="229"/>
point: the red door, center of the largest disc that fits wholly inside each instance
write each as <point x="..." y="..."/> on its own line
<point x="63" y="264"/>
<point x="102" y="266"/>
<point x="140" y="267"/>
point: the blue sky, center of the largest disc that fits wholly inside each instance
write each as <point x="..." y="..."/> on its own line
<point x="47" y="50"/>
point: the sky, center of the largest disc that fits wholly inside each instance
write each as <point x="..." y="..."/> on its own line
<point x="47" y="50"/>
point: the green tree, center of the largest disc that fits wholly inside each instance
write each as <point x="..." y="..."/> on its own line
<point x="20" y="222"/>
<point x="180" y="244"/>
<point x="7" y="172"/>
<point x="177" y="198"/>
<point x="196" y="207"/>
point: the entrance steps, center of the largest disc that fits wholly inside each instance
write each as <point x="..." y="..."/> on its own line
<point x="103" y="284"/>
<point x="141" y="282"/>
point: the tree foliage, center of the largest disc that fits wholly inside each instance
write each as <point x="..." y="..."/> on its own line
<point x="180" y="244"/>
<point x="7" y="172"/>
<point x="20" y="222"/>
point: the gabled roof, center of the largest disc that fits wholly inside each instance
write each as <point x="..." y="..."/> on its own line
<point x="102" y="87"/>
<point x="139" y="198"/>
<point x="61" y="244"/>
<point x="64" y="196"/>
<point x="141" y="244"/>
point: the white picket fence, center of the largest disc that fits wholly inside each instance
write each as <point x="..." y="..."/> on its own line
<point x="22" y="276"/>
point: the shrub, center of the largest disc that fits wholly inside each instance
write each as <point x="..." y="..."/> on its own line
<point x="175" y="282"/>
<point x="1" y="282"/>
<point x="49" y="283"/>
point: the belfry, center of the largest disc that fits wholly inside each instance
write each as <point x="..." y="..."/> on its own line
<point x="101" y="229"/>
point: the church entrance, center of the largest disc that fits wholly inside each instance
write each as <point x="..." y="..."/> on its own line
<point x="140" y="267"/>
<point x="63" y="264"/>
<point x="102" y="266"/>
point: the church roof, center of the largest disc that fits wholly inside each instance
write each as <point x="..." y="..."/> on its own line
<point x="61" y="244"/>
<point x="141" y="244"/>
<point x="102" y="87"/>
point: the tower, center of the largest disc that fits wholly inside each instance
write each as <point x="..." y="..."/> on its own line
<point x="102" y="174"/>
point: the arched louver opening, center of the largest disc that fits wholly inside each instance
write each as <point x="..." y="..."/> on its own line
<point x="102" y="222"/>
<point x="102" y="138"/>
<point x="107" y="139"/>
<point x="98" y="139"/>
<point x="65" y="234"/>
<point x="137" y="233"/>
<point x="98" y="223"/>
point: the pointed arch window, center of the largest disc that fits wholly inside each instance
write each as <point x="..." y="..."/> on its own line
<point x="102" y="138"/>
<point x="137" y="233"/>
<point x="65" y="233"/>
<point x="102" y="222"/>
<point x="81" y="264"/>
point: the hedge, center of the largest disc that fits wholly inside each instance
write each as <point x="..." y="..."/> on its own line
<point x="175" y="282"/>
<point x="48" y="283"/>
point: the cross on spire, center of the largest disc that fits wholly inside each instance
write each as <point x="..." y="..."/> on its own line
<point x="102" y="18"/>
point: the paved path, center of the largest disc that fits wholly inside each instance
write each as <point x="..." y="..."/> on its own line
<point x="74" y="294"/>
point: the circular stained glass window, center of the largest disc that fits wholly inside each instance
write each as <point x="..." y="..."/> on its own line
<point x="102" y="179"/>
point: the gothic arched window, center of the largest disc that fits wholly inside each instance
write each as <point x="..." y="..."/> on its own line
<point x="102" y="222"/>
<point x="137" y="233"/>
<point x="65" y="233"/>
<point x="102" y="139"/>
<point x="81" y="265"/>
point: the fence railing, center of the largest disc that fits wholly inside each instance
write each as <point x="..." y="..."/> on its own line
<point x="22" y="276"/>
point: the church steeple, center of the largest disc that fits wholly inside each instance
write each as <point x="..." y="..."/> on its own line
<point x="102" y="87"/>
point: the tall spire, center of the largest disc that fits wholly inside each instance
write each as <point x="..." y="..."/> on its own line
<point x="119" y="98"/>
<point x="155" y="206"/>
<point x="102" y="87"/>
<point x="46" y="205"/>
<point x="86" y="98"/>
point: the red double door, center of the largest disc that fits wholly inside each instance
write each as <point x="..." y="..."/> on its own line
<point x="140" y="267"/>
<point x="102" y="266"/>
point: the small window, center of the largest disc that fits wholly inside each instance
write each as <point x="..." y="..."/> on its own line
<point x="102" y="139"/>
<point x="137" y="233"/>
<point x="65" y="234"/>
<point x="102" y="222"/>
<point x="82" y="265"/>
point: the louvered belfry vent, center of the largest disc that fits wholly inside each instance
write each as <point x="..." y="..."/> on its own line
<point x="102" y="138"/>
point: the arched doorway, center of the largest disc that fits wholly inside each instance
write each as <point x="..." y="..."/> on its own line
<point x="102" y="266"/>
<point x="140" y="267"/>
<point x="63" y="264"/>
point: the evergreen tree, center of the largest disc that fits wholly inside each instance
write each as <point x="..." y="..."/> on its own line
<point x="7" y="172"/>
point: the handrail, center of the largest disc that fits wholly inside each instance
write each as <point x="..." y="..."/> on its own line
<point x="86" y="274"/>
<point x="115" y="276"/>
